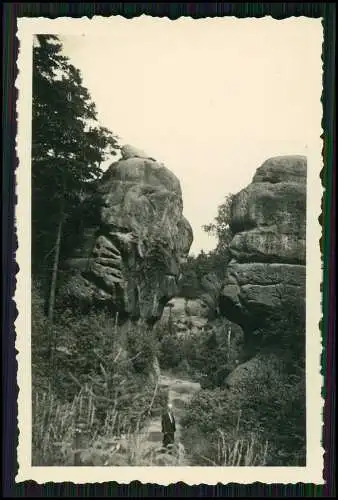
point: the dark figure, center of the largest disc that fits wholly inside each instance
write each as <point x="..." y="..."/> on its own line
<point x="168" y="427"/>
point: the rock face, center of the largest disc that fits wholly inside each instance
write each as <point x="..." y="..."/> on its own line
<point x="129" y="258"/>
<point x="269" y="244"/>
<point x="264" y="292"/>
<point x="186" y="316"/>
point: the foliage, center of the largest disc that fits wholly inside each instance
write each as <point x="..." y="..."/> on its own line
<point x="213" y="263"/>
<point x="267" y="392"/>
<point x="195" y="270"/>
<point x="95" y="371"/>
<point x="40" y="339"/>
<point x="190" y="283"/>
<point x="66" y="434"/>
<point x="220" y="227"/>
<point x="208" y="356"/>
<point x="226" y="449"/>
<point x="220" y="350"/>
<point x="269" y="414"/>
<point x="142" y="347"/>
<point x="171" y="351"/>
<point x="176" y="352"/>
<point x="54" y="427"/>
<point x="68" y="144"/>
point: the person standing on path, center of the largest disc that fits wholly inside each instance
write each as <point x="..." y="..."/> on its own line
<point x="168" y="427"/>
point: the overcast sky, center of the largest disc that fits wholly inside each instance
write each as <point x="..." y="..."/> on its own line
<point x="212" y="100"/>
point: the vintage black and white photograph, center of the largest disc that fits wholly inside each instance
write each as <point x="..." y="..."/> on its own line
<point x="169" y="185"/>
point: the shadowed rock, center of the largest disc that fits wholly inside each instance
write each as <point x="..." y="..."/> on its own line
<point x="269" y="244"/>
<point x="130" y="258"/>
<point x="264" y="292"/>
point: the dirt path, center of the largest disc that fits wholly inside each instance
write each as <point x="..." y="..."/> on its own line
<point x="144" y="448"/>
<point x="180" y="392"/>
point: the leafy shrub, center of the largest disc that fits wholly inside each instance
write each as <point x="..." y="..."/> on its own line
<point x="170" y="352"/>
<point x="142" y="347"/>
<point x="40" y="339"/>
<point x="54" y="427"/>
<point x="213" y="434"/>
<point x="109" y="365"/>
<point x="220" y="349"/>
<point x="69" y="433"/>
<point x="266" y="394"/>
<point x="208" y="356"/>
<point x="262" y="405"/>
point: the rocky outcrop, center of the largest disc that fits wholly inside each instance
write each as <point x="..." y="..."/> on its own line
<point x="269" y="244"/>
<point x="184" y="317"/>
<point x="129" y="258"/>
<point x="264" y="292"/>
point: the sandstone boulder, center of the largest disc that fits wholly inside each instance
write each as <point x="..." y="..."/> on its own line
<point x="269" y="244"/>
<point x="290" y="168"/>
<point x="129" y="258"/>
<point x="186" y="316"/>
<point x="129" y="151"/>
<point x="264" y="293"/>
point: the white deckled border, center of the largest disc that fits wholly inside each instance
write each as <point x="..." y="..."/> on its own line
<point x="313" y="472"/>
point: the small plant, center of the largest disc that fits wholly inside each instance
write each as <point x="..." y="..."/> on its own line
<point x="247" y="452"/>
<point x="226" y="448"/>
<point x="103" y="384"/>
<point x="55" y="426"/>
<point x="69" y="434"/>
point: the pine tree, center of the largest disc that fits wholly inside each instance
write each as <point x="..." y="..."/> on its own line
<point x="68" y="146"/>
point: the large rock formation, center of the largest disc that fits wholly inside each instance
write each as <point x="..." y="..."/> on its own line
<point x="264" y="292"/>
<point x="129" y="258"/>
<point x="185" y="317"/>
<point x="269" y="244"/>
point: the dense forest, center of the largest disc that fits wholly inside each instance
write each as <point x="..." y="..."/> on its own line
<point x="95" y="380"/>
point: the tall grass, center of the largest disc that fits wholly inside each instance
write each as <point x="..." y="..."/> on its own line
<point x="247" y="452"/>
<point x="103" y="386"/>
<point x="68" y="434"/>
<point x="135" y="449"/>
<point x="225" y="451"/>
<point x="236" y="450"/>
<point x="60" y="428"/>
<point x="232" y="447"/>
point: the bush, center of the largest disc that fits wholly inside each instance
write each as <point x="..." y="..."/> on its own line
<point x="219" y="351"/>
<point x="213" y="433"/>
<point x="54" y="427"/>
<point x="265" y="394"/>
<point x="263" y="404"/>
<point x="93" y="349"/>
<point x="208" y="356"/>
<point x="170" y="352"/>
<point x="97" y="365"/>
<point x="69" y="433"/>
<point x="40" y="339"/>
<point x="142" y="347"/>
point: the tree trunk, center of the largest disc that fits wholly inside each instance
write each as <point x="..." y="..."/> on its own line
<point x="55" y="268"/>
<point x="51" y="303"/>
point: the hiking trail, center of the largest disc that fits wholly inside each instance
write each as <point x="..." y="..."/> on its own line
<point x="180" y="392"/>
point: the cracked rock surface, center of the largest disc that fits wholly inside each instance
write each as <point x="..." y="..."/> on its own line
<point x="130" y="259"/>
<point x="269" y="244"/>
